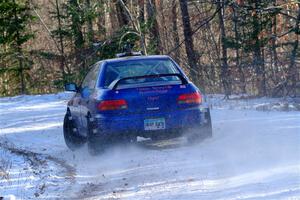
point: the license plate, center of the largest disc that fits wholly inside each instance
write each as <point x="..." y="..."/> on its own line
<point x="154" y="124"/>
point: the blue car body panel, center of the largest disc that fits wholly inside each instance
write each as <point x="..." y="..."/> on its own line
<point x="145" y="102"/>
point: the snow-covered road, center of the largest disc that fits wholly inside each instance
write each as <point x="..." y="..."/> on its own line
<point x="252" y="155"/>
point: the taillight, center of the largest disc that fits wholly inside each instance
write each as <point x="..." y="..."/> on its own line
<point x="112" y="105"/>
<point x="192" y="98"/>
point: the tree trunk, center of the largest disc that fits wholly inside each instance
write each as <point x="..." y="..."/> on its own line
<point x="175" y="31"/>
<point x="90" y="33"/>
<point x="61" y="43"/>
<point x="237" y="53"/>
<point x="257" y="59"/>
<point x="77" y="34"/>
<point x="292" y="69"/>
<point x="112" y="20"/>
<point x="274" y="33"/>
<point x="154" y="29"/>
<point x="122" y="16"/>
<point x="102" y="21"/>
<point x="19" y="55"/>
<point x="141" y="19"/>
<point x="225" y="76"/>
<point x="189" y="44"/>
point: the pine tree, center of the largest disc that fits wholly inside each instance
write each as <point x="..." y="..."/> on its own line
<point x="14" y="19"/>
<point x="255" y="19"/>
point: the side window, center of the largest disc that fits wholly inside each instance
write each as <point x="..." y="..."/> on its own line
<point x="91" y="78"/>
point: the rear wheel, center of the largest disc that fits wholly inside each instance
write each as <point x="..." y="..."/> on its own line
<point x="166" y="134"/>
<point x="95" y="141"/>
<point x="127" y="139"/>
<point x="72" y="138"/>
<point x="203" y="132"/>
<point x="157" y="137"/>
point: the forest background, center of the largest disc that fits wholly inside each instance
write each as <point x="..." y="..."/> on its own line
<point x="225" y="46"/>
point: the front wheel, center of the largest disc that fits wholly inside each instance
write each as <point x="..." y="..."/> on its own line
<point x="72" y="138"/>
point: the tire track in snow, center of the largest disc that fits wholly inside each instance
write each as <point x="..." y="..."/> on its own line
<point x="39" y="162"/>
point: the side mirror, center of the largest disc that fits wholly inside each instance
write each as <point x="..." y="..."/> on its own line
<point x="71" y="87"/>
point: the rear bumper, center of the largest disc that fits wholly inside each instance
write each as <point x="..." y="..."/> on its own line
<point x="134" y="123"/>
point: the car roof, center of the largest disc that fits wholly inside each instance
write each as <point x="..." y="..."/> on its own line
<point x="128" y="58"/>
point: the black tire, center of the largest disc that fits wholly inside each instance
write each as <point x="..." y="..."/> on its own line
<point x="156" y="138"/>
<point x="128" y="139"/>
<point x="207" y="129"/>
<point x="166" y="135"/>
<point x="203" y="132"/>
<point x="95" y="142"/>
<point x="72" y="138"/>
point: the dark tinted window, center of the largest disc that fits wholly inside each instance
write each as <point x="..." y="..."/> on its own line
<point x="91" y="78"/>
<point x="134" y="68"/>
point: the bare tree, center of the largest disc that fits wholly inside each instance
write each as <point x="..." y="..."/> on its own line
<point x="141" y="19"/>
<point x="76" y="28"/>
<point x="188" y="39"/>
<point x="237" y="51"/>
<point x="175" y="30"/>
<point x="90" y="32"/>
<point x="154" y="28"/>
<point x="257" y="51"/>
<point x="61" y="42"/>
<point x="292" y="68"/>
<point x="225" y="76"/>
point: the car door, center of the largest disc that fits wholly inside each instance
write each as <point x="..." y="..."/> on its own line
<point x="88" y="88"/>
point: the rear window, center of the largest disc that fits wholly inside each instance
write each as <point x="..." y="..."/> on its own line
<point x="132" y="68"/>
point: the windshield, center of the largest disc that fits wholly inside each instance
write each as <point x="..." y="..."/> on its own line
<point x="133" y="68"/>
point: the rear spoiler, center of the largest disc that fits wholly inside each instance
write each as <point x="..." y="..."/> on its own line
<point x="115" y="83"/>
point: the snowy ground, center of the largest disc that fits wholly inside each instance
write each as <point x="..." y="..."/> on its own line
<point x="253" y="155"/>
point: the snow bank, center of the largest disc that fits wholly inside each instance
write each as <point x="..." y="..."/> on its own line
<point x="240" y="102"/>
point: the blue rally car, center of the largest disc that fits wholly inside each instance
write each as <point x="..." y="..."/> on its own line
<point x="122" y="98"/>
